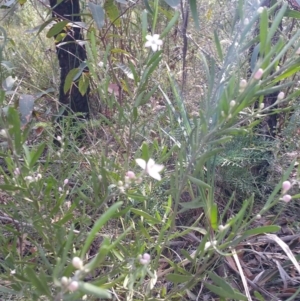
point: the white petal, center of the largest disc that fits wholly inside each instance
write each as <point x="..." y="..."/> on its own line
<point x="148" y="44"/>
<point x="141" y="163"/>
<point x="150" y="163"/>
<point x="154" y="175"/>
<point x="149" y="37"/>
<point x="157" y="168"/>
<point x="154" y="47"/>
<point x="159" y="42"/>
<point x="155" y="37"/>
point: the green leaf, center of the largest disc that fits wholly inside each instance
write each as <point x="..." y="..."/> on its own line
<point x="144" y="214"/>
<point x="261" y="230"/>
<point x="221" y="292"/>
<point x="15" y="128"/>
<point x="276" y="22"/>
<point x="220" y="282"/>
<point x="36" y="154"/>
<point x="97" y="13"/>
<point x="194" y="204"/>
<point x="288" y="73"/>
<point x="84" y="83"/>
<point x="292" y="13"/>
<point x="193" y="6"/>
<point x="69" y="79"/>
<point x="141" y="99"/>
<point x="144" y="21"/>
<point x="101" y="255"/>
<point x="94" y="290"/>
<point x="218" y="45"/>
<point x="263" y="34"/>
<point x="178" y="278"/>
<point x="199" y="183"/>
<point x="98" y="225"/>
<point x="112" y="11"/>
<point x="213" y="216"/>
<point x="8" y="291"/>
<point x="173" y="3"/>
<point x="56" y="29"/>
<point x="6" y="187"/>
<point x="170" y="25"/>
<point x="35" y="280"/>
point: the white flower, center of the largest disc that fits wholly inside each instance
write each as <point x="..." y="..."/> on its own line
<point x="154" y="42"/>
<point x="151" y="168"/>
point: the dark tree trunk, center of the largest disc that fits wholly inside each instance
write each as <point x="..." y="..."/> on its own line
<point x="70" y="55"/>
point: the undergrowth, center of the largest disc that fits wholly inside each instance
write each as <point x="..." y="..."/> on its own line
<point x="173" y="186"/>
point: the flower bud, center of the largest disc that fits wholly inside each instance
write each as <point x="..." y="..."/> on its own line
<point x="258" y="216"/>
<point x="286" y="198"/>
<point x="246" y="21"/>
<point x="221" y="228"/>
<point x="66" y="181"/>
<point x="286" y="185"/>
<point x="147" y="256"/>
<point x="64" y="281"/>
<point x="17" y="171"/>
<point x="258" y="74"/>
<point x="243" y="84"/>
<point x="130" y="174"/>
<point x="120" y="183"/>
<point x="280" y="96"/>
<point x="261" y="105"/>
<point x="232" y="103"/>
<point x="77" y="263"/>
<point x="260" y="10"/>
<point x="73" y="286"/>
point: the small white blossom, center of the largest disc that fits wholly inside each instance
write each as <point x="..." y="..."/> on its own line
<point x="66" y="181"/>
<point x="232" y="103"/>
<point x="151" y="168"/>
<point x="153" y="41"/>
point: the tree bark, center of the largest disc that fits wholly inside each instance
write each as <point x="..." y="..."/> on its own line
<point x="70" y="55"/>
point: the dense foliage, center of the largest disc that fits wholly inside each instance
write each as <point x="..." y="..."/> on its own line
<point x="184" y="182"/>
